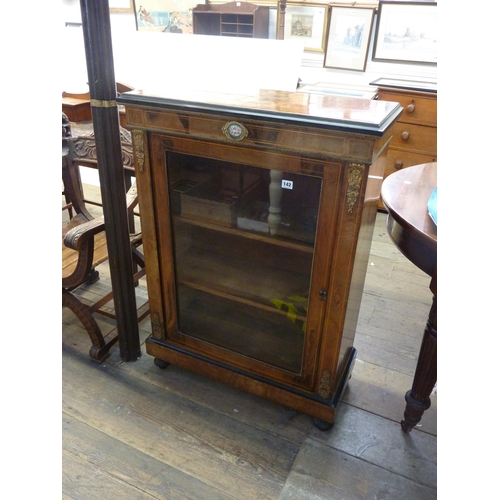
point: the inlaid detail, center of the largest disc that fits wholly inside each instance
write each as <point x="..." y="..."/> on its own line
<point x="167" y="143"/>
<point x="139" y="148"/>
<point x="324" y="384"/>
<point x="157" y="327"/>
<point x="184" y="121"/>
<point x="311" y="168"/>
<point x="135" y="116"/>
<point x="264" y="135"/>
<point x="354" y="178"/>
<point x="360" y="149"/>
<point x="235" y="131"/>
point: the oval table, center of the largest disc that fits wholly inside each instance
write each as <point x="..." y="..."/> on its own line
<point x="405" y="195"/>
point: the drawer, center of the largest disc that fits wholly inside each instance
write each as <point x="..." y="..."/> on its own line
<point x="417" y="108"/>
<point x="296" y="139"/>
<point x="414" y="137"/>
<point x="396" y="160"/>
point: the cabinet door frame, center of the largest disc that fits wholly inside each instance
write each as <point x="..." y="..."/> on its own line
<point x="331" y="199"/>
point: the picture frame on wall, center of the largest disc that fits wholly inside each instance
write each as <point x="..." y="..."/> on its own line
<point x="168" y="16"/>
<point x="306" y="22"/>
<point x="348" y="37"/>
<point x="121" y="6"/>
<point x="406" y="32"/>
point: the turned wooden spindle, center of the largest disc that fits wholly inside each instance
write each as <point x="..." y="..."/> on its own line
<point x="275" y="192"/>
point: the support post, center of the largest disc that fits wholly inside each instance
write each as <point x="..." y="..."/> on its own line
<point x="102" y="85"/>
<point x="280" y="35"/>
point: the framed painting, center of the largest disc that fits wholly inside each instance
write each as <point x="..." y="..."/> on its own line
<point x="169" y="16"/>
<point x="406" y="32"/>
<point x="348" y="39"/>
<point x="305" y="22"/>
<point x="121" y="6"/>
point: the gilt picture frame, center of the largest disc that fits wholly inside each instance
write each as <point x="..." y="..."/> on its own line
<point x="348" y="37"/>
<point x="168" y="16"/>
<point x="306" y="22"/>
<point x="406" y="32"/>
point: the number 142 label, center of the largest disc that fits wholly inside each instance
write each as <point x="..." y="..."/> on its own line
<point x="286" y="184"/>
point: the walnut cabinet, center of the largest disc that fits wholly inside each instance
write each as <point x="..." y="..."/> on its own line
<point x="257" y="215"/>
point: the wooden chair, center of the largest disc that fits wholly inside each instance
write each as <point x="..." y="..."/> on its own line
<point x="77" y="105"/>
<point x="120" y="88"/>
<point x="66" y="134"/>
<point x="84" y="245"/>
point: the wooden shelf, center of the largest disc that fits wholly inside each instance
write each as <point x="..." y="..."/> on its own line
<point x="237" y="19"/>
<point x="250" y="235"/>
<point x="257" y="334"/>
<point x="214" y="262"/>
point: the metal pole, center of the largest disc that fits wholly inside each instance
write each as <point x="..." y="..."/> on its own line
<point x="100" y="68"/>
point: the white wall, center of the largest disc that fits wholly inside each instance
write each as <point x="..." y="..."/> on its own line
<point x="313" y="71"/>
<point x="145" y="59"/>
<point x="310" y="69"/>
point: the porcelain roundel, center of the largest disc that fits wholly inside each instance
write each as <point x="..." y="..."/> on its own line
<point x="235" y="131"/>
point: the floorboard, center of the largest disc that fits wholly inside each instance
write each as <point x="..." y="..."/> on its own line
<point x="129" y="472"/>
<point x="134" y="431"/>
<point x="321" y="472"/>
<point x="218" y="450"/>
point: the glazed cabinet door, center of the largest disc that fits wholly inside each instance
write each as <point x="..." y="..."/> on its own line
<point x="245" y="241"/>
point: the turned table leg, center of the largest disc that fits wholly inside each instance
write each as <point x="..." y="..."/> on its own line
<point x="417" y="399"/>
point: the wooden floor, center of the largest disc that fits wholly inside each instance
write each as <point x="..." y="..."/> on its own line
<point x="133" y="431"/>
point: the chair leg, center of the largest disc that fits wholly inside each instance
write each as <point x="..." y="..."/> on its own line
<point x="93" y="277"/>
<point x="100" y="349"/>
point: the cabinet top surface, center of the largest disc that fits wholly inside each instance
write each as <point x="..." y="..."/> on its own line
<point x="395" y="83"/>
<point x="337" y="112"/>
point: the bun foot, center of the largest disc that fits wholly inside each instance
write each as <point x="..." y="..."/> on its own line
<point x="322" y="425"/>
<point x="160" y="363"/>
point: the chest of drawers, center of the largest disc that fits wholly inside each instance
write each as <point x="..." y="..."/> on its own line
<point x="415" y="134"/>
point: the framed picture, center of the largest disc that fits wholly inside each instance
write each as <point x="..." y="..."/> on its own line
<point x="306" y="22"/>
<point x="406" y="32"/>
<point x="121" y="6"/>
<point x="171" y="16"/>
<point x="349" y="33"/>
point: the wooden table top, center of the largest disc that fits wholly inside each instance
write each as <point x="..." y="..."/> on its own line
<point x="405" y="195"/>
<point x="349" y="114"/>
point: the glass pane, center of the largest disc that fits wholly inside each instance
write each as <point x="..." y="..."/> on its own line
<point x="243" y="239"/>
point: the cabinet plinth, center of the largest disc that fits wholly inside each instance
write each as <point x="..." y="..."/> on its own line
<point x="257" y="217"/>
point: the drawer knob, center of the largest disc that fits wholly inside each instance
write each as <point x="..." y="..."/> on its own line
<point x="398" y="165"/>
<point x="410" y="108"/>
<point x="405" y="135"/>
